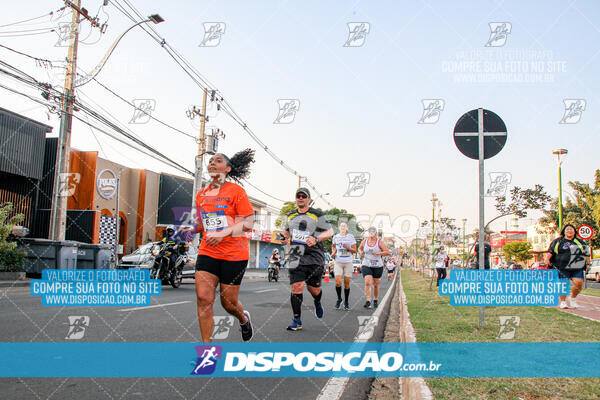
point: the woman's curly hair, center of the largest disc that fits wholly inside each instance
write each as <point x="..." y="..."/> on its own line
<point x="240" y="164"/>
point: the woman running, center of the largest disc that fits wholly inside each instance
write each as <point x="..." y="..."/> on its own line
<point x="224" y="213"/>
<point x="372" y="251"/>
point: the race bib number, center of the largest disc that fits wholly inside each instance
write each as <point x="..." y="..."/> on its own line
<point x="299" y="236"/>
<point x="374" y="263"/>
<point x="214" y="221"/>
<point x="342" y="251"/>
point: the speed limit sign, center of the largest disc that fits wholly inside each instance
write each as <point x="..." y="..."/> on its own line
<point x="585" y="232"/>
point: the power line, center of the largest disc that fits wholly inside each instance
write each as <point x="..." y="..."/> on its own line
<point x="205" y="84"/>
<point x="33" y="19"/>
<point x="148" y="114"/>
<point x="262" y="191"/>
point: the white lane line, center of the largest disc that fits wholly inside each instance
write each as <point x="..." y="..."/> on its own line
<point x="265" y="290"/>
<point x="154" y="306"/>
<point x="334" y="388"/>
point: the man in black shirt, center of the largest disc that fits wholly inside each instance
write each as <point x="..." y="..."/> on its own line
<point x="570" y="255"/>
<point x="306" y="228"/>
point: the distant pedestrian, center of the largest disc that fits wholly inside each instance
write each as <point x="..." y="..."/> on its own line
<point x="571" y="257"/>
<point x="487" y="251"/>
<point x="441" y="263"/>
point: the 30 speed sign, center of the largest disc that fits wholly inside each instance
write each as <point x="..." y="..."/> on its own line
<point x="585" y="232"/>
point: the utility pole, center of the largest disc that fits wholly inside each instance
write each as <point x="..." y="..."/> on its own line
<point x="433" y="202"/>
<point x="58" y="213"/>
<point x="464" y="258"/>
<point x="117" y="220"/>
<point x="200" y="155"/>
<point x="299" y="181"/>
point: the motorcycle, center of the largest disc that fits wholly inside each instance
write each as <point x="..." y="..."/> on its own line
<point x="163" y="268"/>
<point x="272" y="273"/>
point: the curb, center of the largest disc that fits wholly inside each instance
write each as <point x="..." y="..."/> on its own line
<point x="410" y="388"/>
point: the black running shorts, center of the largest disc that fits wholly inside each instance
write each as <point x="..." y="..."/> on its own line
<point x="228" y="272"/>
<point x="375" y="272"/>
<point x="311" y="274"/>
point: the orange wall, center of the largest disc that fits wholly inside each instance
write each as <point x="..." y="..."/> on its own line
<point x="83" y="163"/>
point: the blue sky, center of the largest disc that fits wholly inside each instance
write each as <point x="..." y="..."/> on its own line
<point x="359" y="106"/>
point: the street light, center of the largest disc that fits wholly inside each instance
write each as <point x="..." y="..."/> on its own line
<point x="561" y="155"/>
<point x="154" y="18"/>
<point x="464" y="221"/>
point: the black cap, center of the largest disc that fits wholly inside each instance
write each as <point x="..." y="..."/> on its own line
<point x="303" y="190"/>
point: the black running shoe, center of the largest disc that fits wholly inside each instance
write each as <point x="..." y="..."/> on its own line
<point x="246" y="328"/>
<point x="338" y="303"/>
<point x="346" y="306"/>
<point x="367" y="304"/>
<point x="375" y="303"/>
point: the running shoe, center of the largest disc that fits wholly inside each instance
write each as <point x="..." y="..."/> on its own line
<point x="246" y="328"/>
<point x="572" y="302"/>
<point x="319" y="310"/>
<point x="338" y="303"/>
<point x="296" y="325"/>
<point x="346" y="306"/>
<point x="367" y="304"/>
<point x="563" y="304"/>
<point x="375" y="303"/>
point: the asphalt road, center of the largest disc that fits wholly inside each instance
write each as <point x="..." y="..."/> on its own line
<point x="172" y="318"/>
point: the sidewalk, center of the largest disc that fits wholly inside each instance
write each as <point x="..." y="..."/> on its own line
<point x="588" y="307"/>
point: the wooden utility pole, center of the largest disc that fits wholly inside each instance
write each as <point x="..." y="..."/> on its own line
<point x="58" y="213"/>
<point x="199" y="156"/>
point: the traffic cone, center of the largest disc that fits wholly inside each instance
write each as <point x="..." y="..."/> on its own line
<point x="326" y="274"/>
<point x="355" y="271"/>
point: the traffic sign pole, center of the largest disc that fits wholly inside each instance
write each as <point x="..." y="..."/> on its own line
<point x="481" y="200"/>
<point x="470" y="133"/>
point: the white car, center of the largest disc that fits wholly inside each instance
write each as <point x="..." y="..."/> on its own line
<point x="594" y="272"/>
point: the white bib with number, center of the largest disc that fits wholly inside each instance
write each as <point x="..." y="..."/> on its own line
<point x="214" y="221"/>
<point x="299" y="236"/>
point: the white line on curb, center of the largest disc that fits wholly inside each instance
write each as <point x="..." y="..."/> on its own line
<point x="334" y="388"/>
<point x="154" y="306"/>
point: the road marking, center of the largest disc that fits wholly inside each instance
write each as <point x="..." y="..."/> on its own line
<point x="154" y="306"/>
<point x="265" y="290"/>
<point x="334" y="388"/>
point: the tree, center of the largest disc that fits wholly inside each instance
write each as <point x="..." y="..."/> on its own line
<point x="522" y="200"/>
<point x="583" y="208"/>
<point x="11" y="258"/>
<point x="519" y="251"/>
<point x="7" y="222"/>
<point x="287" y="208"/>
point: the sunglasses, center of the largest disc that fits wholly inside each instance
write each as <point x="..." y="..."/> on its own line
<point x="301" y="196"/>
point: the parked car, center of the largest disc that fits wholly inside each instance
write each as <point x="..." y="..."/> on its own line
<point x="143" y="258"/>
<point x="516" y="266"/>
<point x="539" y="265"/>
<point x="594" y="272"/>
<point x="457" y="263"/>
<point x="140" y="258"/>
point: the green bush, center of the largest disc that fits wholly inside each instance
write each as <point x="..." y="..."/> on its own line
<point x="12" y="260"/>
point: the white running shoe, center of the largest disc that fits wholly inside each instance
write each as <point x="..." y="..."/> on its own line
<point x="563" y="304"/>
<point x="572" y="302"/>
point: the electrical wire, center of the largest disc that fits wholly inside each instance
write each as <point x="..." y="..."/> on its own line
<point x="149" y="115"/>
<point x="33" y="19"/>
<point x="203" y="83"/>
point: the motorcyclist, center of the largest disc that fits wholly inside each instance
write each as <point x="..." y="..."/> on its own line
<point x="276" y="260"/>
<point x="173" y="244"/>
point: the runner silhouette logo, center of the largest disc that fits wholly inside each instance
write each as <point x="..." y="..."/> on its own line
<point x="207" y="359"/>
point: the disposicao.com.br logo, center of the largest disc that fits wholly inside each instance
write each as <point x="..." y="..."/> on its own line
<point x="341" y="359"/>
